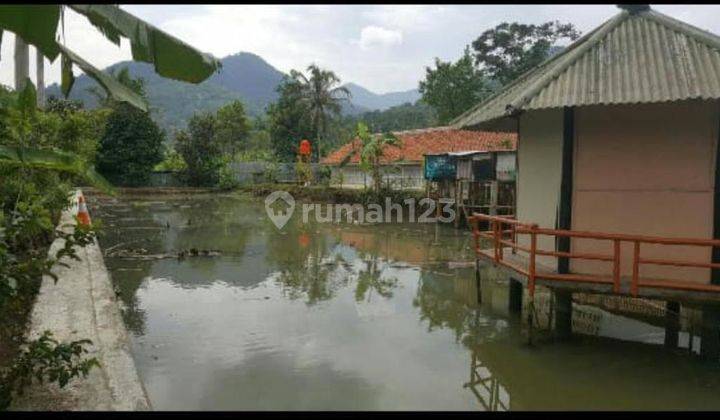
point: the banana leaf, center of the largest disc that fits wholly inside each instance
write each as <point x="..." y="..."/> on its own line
<point x="35" y="24"/>
<point x="171" y="57"/>
<point x="114" y="89"/>
<point x="55" y="160"/>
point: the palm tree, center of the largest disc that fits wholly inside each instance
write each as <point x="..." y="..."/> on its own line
<point x="323" y="98"/>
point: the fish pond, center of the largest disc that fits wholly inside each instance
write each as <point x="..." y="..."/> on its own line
<point x="228" y="312"/>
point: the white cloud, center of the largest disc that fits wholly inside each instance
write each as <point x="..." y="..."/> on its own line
<point x="376" y="36"/>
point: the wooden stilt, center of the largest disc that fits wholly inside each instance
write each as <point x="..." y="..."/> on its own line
<point x="563" y="314"/>
<point x="672" y="324"/>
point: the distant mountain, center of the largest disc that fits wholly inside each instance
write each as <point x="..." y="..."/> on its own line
<point x="243" y="76"/>
<point x="250" y="76"/>
<point x="380" y="101"/>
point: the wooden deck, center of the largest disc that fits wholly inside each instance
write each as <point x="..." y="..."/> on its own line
<point x="486" y="257"/>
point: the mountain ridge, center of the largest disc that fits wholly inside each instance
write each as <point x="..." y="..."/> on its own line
<point x="244" y="76"/>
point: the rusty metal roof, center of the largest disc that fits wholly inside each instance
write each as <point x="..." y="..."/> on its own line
<point x="635" y="57"/>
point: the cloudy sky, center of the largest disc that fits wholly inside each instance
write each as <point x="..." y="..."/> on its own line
<point x="382" y="47"/>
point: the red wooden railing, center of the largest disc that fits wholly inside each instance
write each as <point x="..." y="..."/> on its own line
<point x="504" y="230"/>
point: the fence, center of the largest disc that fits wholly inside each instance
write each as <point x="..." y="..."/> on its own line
<point x="243" y="173"/>
<point x="503" y="233"/>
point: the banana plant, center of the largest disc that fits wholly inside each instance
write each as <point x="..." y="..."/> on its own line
<point x="37" y="25"/>
<point x="52" y="159"/>
<point x="372" y="147"/>
<point x="172" y="58"/>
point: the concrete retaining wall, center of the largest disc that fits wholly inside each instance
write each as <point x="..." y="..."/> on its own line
<point x="82" y="304"/>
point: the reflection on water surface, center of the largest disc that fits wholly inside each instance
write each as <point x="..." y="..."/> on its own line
<point x="350" y="317"/>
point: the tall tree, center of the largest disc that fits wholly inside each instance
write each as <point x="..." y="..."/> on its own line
<point x="452" y="88"/>
<point x="200" y="150"/>
<point x="132" y="143"/>
<point x="510" y="49"/>
<point x="287" y="121"/>
<point x="322" y="95"/>
<point x="232" y="127"/>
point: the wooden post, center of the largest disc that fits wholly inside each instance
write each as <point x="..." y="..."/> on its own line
<point x="457" y="204"/>
<point x="710" y="333"/>
<point x="566" y="187"/>
<point x="493" y="198"/>
<point x="563" y="314"/>
<point x="515" y="296"/>
<point x="672" y="324"/>
<point x="40" y="78"/>
<point x="478" y="281"/>
<point x="22" y="63"/>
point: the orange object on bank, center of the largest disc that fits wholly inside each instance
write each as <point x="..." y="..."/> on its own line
<point x="305" y="147"/>
<point x="82" y="214"/>
<point x="304" y="240"/>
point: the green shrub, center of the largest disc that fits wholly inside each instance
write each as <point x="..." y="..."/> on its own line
<point x="131" y="146"/>
<point x="44" y="359"/>
<point x="200" y="150"/>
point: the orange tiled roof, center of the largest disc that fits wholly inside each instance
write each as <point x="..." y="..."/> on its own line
<point x="416" y="143"/>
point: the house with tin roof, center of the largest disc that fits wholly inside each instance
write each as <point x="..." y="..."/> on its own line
<point x="618" y="183"/>
<point x="403" y="163"/>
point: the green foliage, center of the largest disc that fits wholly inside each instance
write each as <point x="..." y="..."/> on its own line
<point x="322" y="97"/>
<point x="172" y="162"/>
<point x="232" y="127"/>
<point x="287" y="122"/>
<point x="372" y="147"/>
<point x="200" y="150"/>
<point x="130" y="147"/>
<point x="45" y="359"/>
<point x="453" y="88"/>
<point x="114" y="89"/>
<point x="324" y="174"/>
<point x="170" y="56"/>
<point x="272" y="172"/>
<point x="510" y="49"/>
<point x="398" y="118"/>
<point x="62" y="139"/>
<point x="121" y="76"/>
<point x="36" y="25"/>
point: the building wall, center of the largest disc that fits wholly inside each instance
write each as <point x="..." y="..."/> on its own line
<point x="539" y="161"/>
<point x="399" y="176"/>
<point x="644" y="169"/>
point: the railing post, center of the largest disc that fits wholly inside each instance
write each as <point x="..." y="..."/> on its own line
<point x="636" y="269"/>
<point x="531" y="269"/>
<point x="616" y="266"/>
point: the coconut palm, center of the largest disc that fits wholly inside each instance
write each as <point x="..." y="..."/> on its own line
<point x="323" y="97"/>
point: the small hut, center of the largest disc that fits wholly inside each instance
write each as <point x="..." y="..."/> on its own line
<point x="478" y="180"/>
<point x="620" y="148"/>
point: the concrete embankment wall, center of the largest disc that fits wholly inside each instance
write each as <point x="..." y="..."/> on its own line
<point x="82" y="305"/>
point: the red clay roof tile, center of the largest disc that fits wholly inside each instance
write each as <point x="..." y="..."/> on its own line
<point x="416" y="143"/>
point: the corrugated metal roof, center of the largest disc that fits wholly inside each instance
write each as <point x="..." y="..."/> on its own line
<point x="640" y="57"/>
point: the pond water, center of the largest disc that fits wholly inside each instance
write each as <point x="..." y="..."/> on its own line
<point x="344" y="316"/>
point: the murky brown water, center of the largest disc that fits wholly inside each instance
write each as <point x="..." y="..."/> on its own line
<point x="326" y="317"/>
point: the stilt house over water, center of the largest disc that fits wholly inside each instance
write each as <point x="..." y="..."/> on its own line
<point x="618" y="163"/>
